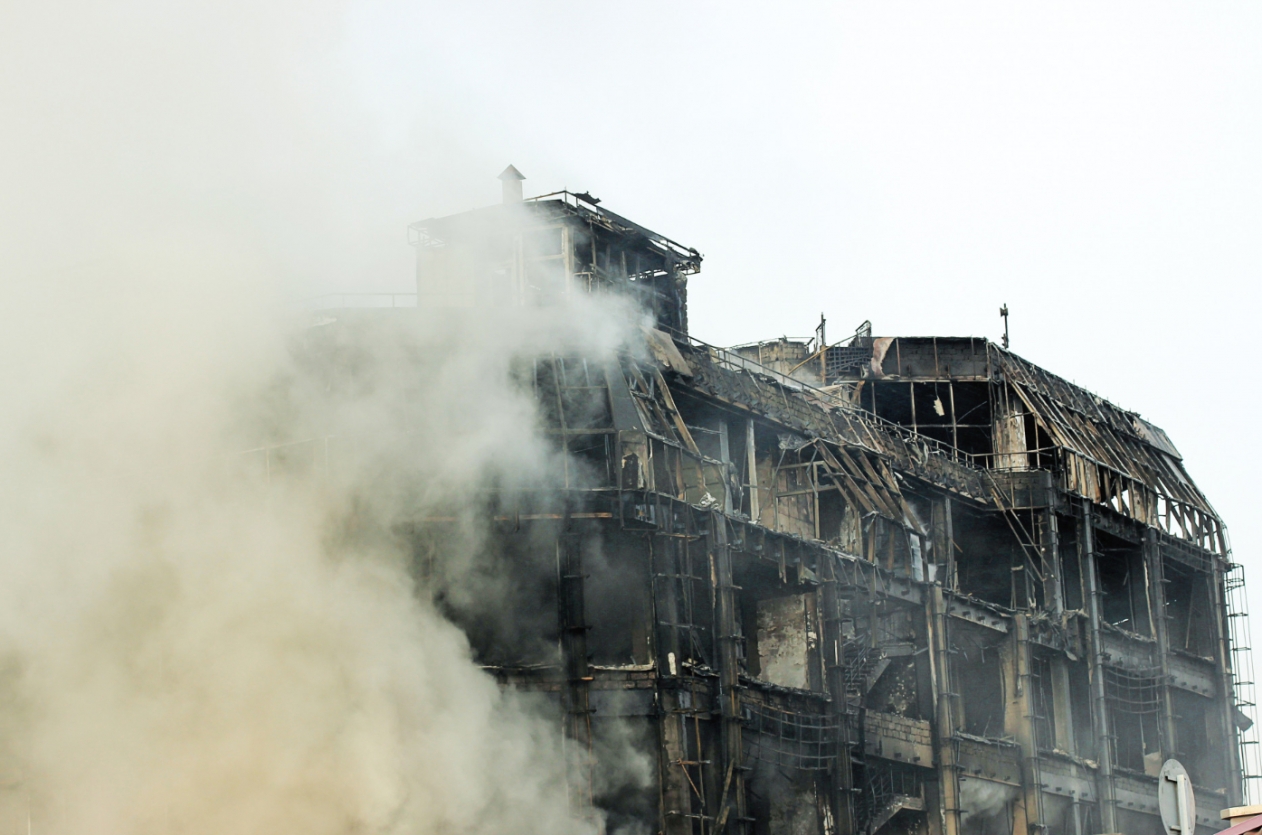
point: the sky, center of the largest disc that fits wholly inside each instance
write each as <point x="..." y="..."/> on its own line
<point x="1094" y="166"/>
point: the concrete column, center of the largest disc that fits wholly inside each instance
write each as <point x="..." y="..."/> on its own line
<point x="676" y="791"/>
<point x="1019" y="718"/>
<point x="1095" y="667"/>
<point x="944" y="727"/>
<point x="725" y="455"/>
<point x="1053" y="588"/>
<point x="842" y="784"/>
<point x="944" y="542"/>
<point x="1161" y="629"/>
<point x="751" y="462"/>
<point x="734" y="815"/>
<point x="569" y="553"/>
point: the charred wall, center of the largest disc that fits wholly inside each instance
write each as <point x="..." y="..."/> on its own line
<point x="891" y="585"/>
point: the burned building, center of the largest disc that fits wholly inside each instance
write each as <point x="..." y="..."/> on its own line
<point x="882" y="584"/>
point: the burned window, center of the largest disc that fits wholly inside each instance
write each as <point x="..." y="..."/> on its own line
<point x="789" y="748"/>
<point x="625" y="778"/>
<point x="1134" y="702"/>
<point x="987" y="552"/>
<point x="1069" y="816"/>
<point x="893" y="680"/>
<point x="779" y="625"/>
<point x="788" y="737"/>
<point x="894" y="547"/>
<point x="987" y="807"/>
<point x="1043" y="701"/>
<point x="970" y="403"/>
<point x="1079" y="692"/>
<point x="1198" y="737"/>
<point x="977" y="672"/>
<point x="574" y="407"/>
<point x="956" y="414"/>
<point x="1123" y="584"/>
<point x="689" y="794"/>
<point x="682" y="602"/>
<point x="506" y="599"/>
<point x="1189" y="607"/>
<point x="785" y="802"/>
<point x="1070" y="564"/>
<point x="782" y="625"/>
<point x="894" y="687"/>
<point x="616" y="596"/>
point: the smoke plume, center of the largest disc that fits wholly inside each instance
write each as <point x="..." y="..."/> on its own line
<point x="208" y="617"/>
<point x="210" y="620"/>
<point x="985" y="806"/>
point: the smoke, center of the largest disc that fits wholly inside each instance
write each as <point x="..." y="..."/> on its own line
<point x="195" y="637"/>
<point x="985" y="805"/>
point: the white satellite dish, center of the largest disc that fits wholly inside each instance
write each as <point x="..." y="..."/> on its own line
<point x="1176" y="800"/>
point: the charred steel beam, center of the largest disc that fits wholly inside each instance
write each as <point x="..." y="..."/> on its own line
<point x="733" y="816"/>
<point x="1099" y="707"/>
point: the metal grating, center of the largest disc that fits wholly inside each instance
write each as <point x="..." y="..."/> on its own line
<point x="1134" y="691"/>
<point x="784" y="738"/>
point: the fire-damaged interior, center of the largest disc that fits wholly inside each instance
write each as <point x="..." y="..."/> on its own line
<point x="883" y="584"/>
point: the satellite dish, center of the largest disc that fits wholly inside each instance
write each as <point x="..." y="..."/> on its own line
<point x="1175" y="799"/>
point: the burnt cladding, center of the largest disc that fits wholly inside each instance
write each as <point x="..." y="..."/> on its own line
<point x="889" y="584"/>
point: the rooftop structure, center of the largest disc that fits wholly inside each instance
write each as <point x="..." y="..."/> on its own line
<point x="886" y="584"/>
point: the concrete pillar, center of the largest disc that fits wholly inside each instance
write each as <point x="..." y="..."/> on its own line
<point x="1053" y="588"/>
<point x="733" y="817"/>
<point x="944" y="727"/>
<point x="1161" y="630"/>
<point x="676" y="791"/>
<point x="842" y="788"/>
<point x="1095" y="667"/>
<point x="751" y="463"/>
<point x="569" y="553"/>
<point x="1019" y="717"/>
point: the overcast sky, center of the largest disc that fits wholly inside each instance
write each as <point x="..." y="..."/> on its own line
<point x="1096" y="167"/>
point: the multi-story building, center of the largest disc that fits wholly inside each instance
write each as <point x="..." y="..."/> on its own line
<point x="887" y="584"/>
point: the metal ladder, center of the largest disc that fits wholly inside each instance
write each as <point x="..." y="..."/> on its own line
<point x="1242" y="680"/>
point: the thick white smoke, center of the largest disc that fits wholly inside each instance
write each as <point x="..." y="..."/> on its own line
<point x="985" y="806"/>
<point x="189" y="643"/>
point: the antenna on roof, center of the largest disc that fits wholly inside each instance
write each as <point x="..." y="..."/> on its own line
<point x="511" y="178"/>
<point x="1003" y="311"/>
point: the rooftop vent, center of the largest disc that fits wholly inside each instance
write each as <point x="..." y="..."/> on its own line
<point x="511" y="178"/>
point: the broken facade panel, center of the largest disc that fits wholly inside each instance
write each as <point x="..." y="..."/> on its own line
<point x="885" y="585"/>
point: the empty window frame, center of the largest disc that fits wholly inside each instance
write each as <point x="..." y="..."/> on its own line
<point x="1189" y="609"/>
<point x="1123" y="584"/>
